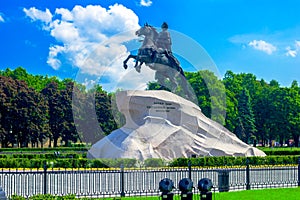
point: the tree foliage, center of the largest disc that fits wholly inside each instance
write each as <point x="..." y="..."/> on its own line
<point x="256" y="111"/>
<point x="246" y="122"/>
<point x="37" y="109"/>
<point x="274" y="109"/>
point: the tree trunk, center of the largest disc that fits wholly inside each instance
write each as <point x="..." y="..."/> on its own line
<point x="287" y="143"/>
<point x="296" y="140"/>
<point x="281" y="141"/>
<point x="24" y="144"/>
<point x="262" y="139"/>
<point x="50" y="141"/>
<point x="55" y="141"/>
<point x="3" y="144"/>
<point x="66" y="143"/>
<point x="254" y="143"/>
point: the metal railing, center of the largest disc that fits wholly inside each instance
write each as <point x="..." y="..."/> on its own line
<point x="141" y="182"/>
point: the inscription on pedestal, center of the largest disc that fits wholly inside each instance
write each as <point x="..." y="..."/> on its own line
<point x="160" y="106"/>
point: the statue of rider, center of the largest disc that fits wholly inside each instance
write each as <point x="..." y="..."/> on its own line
<point x="164" y="42"/>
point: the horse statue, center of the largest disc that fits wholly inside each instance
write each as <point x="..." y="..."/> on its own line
<point x="162" y="61"/>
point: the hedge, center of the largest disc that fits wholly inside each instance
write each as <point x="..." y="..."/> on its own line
<point x="116" y="163"/>
<point x="66" y="163"/>
<point x="50" y="149"/>
<point x="154" y="162"/>
<point x="44" y="196"/>
<point x="234" y="161"/>
<point x="282" y="152"/>
<point x="44" y="155"/>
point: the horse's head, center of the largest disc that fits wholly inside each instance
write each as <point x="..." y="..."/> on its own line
<point x="143" y="31"/>
<point x="147" y="31"/>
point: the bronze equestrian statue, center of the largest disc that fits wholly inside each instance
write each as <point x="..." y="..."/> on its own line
<point x="156" y="53"/>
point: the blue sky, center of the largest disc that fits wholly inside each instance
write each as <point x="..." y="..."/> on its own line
<point x="68" y="38"/>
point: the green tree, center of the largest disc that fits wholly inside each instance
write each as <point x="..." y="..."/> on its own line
<point x="85" y="118"/>
<point x="22" y="113"/>
<point x="104" y="111"/>
<point x="8" y="91"/>
<point x="233" y="87"/>
<point x="261" y="110"/>
<point x="68" y="132"/>
<point x="52" y="94"/>
<point x="23" y="104"/>
<point x="245" y="116"/>
<point x="210" y="93"/>
<point x="39" y="119"/>
<point x="276" y="119"/>
<point x="37" y="82"/>
<point x="294" y="112"/>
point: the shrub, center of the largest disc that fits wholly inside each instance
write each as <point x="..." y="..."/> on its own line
<point x="36" y="163"/>
<point x="154" y="162"/>
<point x="50" y="149"/>
<point x="43" y="196"/>
<point x="62" y="163"/>
<point x="231" y="161"/>
<point x="17" y="197"/>
<point x="281" y="151"/>
<point x="97" y="163"/>
<point x="127" y="163"/>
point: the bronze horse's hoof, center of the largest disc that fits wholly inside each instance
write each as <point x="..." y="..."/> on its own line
<point x="138" y="69"/>
<point x="125" y="65"/>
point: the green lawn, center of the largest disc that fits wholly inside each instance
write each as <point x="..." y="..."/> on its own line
<point x="279" y="148"/>
<point x="266" y="194"/>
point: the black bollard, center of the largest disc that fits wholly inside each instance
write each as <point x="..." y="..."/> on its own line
<point x="205" y="185"/>
<point x="166" y="186"/>
<point x="186" y="196"/>
<point x="186" y="187"/>
<point x="167" y="195"/>
<point x="206" y="196"/>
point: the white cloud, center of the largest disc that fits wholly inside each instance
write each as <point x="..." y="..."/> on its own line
<point x="35" y="14"/>
<point x="293" y="51"/>
<point x="146" y="3"/>
<point x="53" y="61"/>
<point x="1" y="18"/>
<point x="89" y="83"/>
<point x="64" y="32"/>
<point x="297" y="44"/>
<point x="91" y="38"/>
<point x="262" y="46"/>
<point x="66" y="15"/>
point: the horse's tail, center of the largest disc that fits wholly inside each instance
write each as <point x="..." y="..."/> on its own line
<point x="181" y="71"/>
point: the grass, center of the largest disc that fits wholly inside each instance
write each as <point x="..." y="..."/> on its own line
<point x="264" y="194"/>
<point x="279" y="148"/>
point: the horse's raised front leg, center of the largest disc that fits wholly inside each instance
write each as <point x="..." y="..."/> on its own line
<point x="125" y="61"/>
